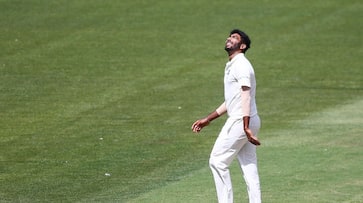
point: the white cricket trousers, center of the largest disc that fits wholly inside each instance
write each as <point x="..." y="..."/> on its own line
<point x="231" y="143"/>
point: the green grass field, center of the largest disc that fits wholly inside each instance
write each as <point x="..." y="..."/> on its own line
<point x="97" y="98"/>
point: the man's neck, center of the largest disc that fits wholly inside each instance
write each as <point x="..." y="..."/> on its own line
<point x="233" y="54"/>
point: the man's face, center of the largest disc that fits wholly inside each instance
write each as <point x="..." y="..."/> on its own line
<point x="233" y="42"/>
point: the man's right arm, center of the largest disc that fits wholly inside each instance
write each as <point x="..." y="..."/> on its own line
<point x="201" y="123"/>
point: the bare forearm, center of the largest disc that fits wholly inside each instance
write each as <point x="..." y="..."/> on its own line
<point x="212" y="116"/>
<point x="246" y="122"/>
<point x="201" y="123"/>
<point x="218" y="112"/>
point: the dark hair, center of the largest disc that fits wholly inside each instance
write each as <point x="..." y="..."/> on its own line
<point x="245" y="39"/>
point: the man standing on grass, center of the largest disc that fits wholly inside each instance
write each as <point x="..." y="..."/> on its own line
<point x="238" y="135"/>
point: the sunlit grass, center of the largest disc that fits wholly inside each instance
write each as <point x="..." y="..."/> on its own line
<point x="90" y="88"/>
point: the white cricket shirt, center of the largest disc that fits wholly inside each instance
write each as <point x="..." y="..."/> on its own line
<point x="239" y="72"/>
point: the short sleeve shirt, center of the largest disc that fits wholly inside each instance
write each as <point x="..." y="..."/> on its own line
<point x="239" y="72"/>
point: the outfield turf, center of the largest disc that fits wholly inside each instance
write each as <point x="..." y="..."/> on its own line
<point x="97" y="98"/>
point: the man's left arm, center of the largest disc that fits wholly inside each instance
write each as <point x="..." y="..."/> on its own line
<point x="246" y="108"/>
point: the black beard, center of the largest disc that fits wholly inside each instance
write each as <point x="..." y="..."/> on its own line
<point x="228" y="49"/>
<point x="233" y="48"/>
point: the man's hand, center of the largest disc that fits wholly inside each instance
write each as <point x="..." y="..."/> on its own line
<point x="199" y="124"/>
<point x="253" y="139"/>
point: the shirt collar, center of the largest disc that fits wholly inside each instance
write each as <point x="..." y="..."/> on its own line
<point x="235" y="58"/>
